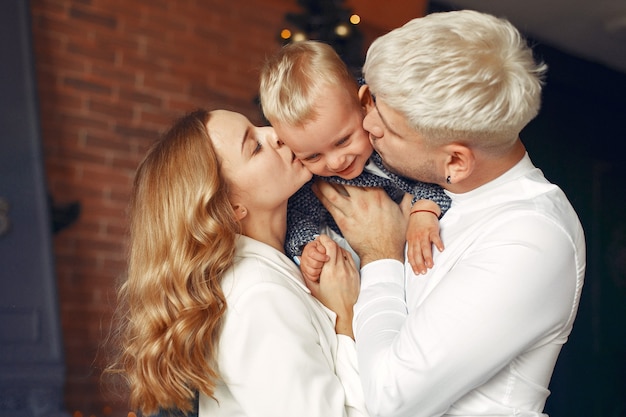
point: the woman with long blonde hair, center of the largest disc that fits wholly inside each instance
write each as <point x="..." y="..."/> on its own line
<point x="211" y="303"/>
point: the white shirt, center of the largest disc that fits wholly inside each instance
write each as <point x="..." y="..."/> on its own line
<point x="480" y="333"/>
<point x="278" y="351"/>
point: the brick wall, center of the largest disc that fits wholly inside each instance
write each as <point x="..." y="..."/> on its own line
<point x="112" y="74"/>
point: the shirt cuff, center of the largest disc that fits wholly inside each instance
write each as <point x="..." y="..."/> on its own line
<point x="382" y="271"/>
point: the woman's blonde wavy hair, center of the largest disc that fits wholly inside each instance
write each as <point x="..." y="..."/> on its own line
<point x="182" y="239"/>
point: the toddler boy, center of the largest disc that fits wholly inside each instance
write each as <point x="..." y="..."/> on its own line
<point x="317" y="109"/>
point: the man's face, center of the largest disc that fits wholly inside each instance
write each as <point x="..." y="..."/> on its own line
<point x="335" y="143"/>
<point x="402" y="149"/>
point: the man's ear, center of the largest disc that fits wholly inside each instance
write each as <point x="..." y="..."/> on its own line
<point x="365" y="97"/>
<point x="460" y="162"/>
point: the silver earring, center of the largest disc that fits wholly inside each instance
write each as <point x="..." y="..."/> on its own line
<point x="448" y="180"/>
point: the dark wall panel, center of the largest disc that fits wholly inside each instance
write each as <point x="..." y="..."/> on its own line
<point x="31" y="360"/>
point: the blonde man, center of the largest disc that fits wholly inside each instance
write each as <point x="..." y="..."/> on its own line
<point x="480" y="333"/>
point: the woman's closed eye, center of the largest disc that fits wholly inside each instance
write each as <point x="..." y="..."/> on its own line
<point x="257" y="148"/>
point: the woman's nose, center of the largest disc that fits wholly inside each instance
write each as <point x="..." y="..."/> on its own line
<point x="275" y="142"/>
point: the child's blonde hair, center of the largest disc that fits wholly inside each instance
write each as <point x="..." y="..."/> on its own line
<point x="292" y="79"/>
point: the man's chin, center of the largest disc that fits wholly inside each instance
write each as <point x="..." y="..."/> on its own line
<point x="394" y="171"/>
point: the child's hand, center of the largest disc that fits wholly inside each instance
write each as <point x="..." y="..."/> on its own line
<point x="312" y="260"/>
<point x="422" y="233"/>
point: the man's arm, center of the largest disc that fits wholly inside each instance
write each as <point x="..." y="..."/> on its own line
<point x="508" y="293"/>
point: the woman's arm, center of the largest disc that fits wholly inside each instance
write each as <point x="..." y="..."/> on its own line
<point x="277" y="355"/>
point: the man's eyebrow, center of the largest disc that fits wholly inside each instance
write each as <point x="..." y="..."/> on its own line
<point x="384" y="121"/>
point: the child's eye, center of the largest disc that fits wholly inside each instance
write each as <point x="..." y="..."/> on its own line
<point x="342" y="142"/>
<point x="312" y="158"/>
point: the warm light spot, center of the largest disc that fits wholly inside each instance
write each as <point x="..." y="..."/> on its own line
<point x="77" y="414"/>
<point x="299" y="37"/>
<point x="285" y="34"/>
<point x="342" y="30"/>
<point x="355" y="19"/>
<point x="131" y="414"/>
<point x="107" y="410"/>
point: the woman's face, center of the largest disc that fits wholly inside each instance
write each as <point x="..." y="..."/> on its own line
<point x="261" y="171"/>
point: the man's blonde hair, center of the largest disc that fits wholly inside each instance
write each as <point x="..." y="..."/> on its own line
<point x="458" y="75"/>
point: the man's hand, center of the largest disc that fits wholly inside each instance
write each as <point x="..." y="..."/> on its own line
<point x="370" y="221"/>
<point x="338" y="285"/>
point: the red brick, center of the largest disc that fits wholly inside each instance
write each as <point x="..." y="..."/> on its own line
<point x="92" y="17"/>
<point x="90" y="50"/>
<point x="112" y="75"/>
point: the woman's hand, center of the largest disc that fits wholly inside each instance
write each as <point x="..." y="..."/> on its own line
<point x="338" y="285"/>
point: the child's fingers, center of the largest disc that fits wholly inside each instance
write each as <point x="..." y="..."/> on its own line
<point x="330" y="247"/>
<point x="315" y="250"/>
<point x="319" y="256"/>
<point x="427" y="254"/>
<point x="438" y="242"/>
<point x="311" y="268"/>
<point x="320" y="252"/>
<point x="311" y="274"/>
<point x="416" y="260"/>
<point x="318" y="245"/>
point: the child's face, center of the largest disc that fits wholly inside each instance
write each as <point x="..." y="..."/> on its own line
<point x="335" y="143"/>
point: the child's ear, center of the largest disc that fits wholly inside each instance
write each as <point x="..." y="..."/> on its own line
<point x="365" y="97"/>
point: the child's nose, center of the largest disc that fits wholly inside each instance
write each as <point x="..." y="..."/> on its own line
<point x="336" y="161"/>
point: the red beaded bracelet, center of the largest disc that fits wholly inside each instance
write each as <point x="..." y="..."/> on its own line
<point x="425" y="211"/>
